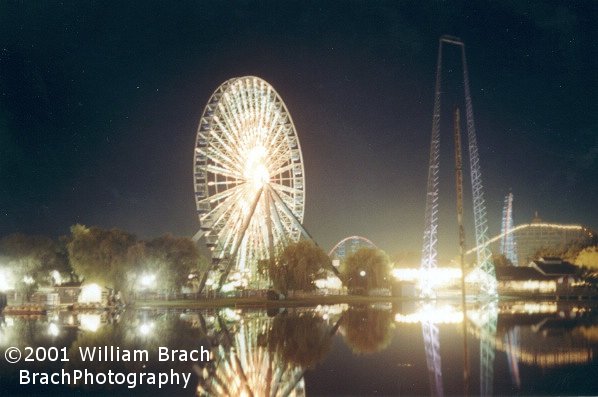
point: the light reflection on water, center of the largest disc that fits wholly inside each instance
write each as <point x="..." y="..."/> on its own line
<point x="512" y="348"/>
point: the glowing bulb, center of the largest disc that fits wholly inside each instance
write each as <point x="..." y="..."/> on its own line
<point x="56" y="277"/>
<point x="147" y="280"/>
<point x="90" y="293"/>
<point x="255" y="169"/>
<point x="146" y="328"/>
<point x="5" y="281"/>
<point x="53" y="329"/>
<point x="90" y="322"/>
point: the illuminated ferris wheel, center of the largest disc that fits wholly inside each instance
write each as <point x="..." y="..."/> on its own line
<point x="248" y="175"/>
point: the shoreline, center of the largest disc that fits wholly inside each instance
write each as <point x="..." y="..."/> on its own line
<point x="262" y="302"/>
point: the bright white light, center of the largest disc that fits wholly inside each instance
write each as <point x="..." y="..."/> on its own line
<point x="6" y="282"/>
<point x="55" y="274"/>
<point x="146" y="328"/>
<point x="90" y="293"/>
<point x="329" y="282"/>
<point x="53" y="329"/>
<point x="90" y="322"/>
<point x="28" y="280"/>
<point x="147" y="280"/>
<point x="433" y="314"/>
<point x="440" y="276"/>
<point x="362" y="273"/>
<point x="230" y="315"/>
<point x="255" y="169"/>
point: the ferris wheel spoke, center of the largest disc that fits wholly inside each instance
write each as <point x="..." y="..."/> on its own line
<point x="229" y="121"/>
<point x="214" y="169"/>
<point x="278" y="162"/>
<point x="228" y="157"/>
<point x="244" y="104"/>
<point x="282" y="169"/>
<point x="236" y="109"/>
<point x="227" y="204"/>
<point x="274" y="136"/>
<point x="278" y="149"/>
<point x="224" y="161"/>
<point x="263" y="105"/>
<point x="283" y="188"/>
<point x="234" y="154"/>
<point x="221" y="195"/>
<point x="226" y="183"/>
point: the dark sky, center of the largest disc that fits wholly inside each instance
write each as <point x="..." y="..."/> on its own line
<point x="100" y="102"/>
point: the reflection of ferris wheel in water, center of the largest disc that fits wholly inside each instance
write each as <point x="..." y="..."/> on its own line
<point x="248" y="174"/>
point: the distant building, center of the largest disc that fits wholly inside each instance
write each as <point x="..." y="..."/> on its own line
<point x="532" y="237"/>
<point x="543" y="275"/>
<point x="68" y="292"/>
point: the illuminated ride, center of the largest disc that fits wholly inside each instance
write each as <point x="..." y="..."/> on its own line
<point x="484" y="274"/>
<point x="248" y="176"/>
<point x="348" y="246"/>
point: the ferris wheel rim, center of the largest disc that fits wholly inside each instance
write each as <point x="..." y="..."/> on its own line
<point x="291" y="187"/>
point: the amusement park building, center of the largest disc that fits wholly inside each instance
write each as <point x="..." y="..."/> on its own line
<point x="532" y="237"/>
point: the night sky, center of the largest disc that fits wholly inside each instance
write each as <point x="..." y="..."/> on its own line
<point x="100" y="103"/>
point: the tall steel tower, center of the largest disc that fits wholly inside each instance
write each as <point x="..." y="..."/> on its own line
<point x="507" y="241"/>
<point x="484" y="272"/>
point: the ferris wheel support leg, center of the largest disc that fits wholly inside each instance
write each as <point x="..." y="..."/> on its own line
<point x="197" y="236"/>
<point x="244" y="227"/>
<point x="299" y="225"/>
<point x="269" y="226"/>
<point x="274" y="194"/>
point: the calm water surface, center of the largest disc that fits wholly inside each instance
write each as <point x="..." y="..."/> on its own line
<point x="510" y="348"/>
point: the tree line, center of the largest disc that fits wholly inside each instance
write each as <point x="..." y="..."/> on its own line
<point x="300" y="264"/>
<point x="117" y="260"/>
<point x="112" y="258"/>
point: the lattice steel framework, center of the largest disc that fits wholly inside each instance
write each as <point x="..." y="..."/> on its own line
<point x="512" y="343"/>
<point x="248" y="175"/>
<point x="487" y="348"/>
<point x="484" y="271"/>
<point x="433" y="360"/>
<point x="507" y="242"/>
<point x="348" y="246"/>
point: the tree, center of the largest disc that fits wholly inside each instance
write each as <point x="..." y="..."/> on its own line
<point x="172" y="260"/>
<point x="588" y="257"/>
<point x="30" y="259"/>
<point x="367" y="330"/>
<point x="301" y="339"/>
<point x="298" y="266"/>
<point x="366" y="269"/>
<point x="567" y="252"/>
<point x="101" y="256"/>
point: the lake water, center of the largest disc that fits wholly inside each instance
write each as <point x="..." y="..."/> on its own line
<point x="526" y="348"/>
